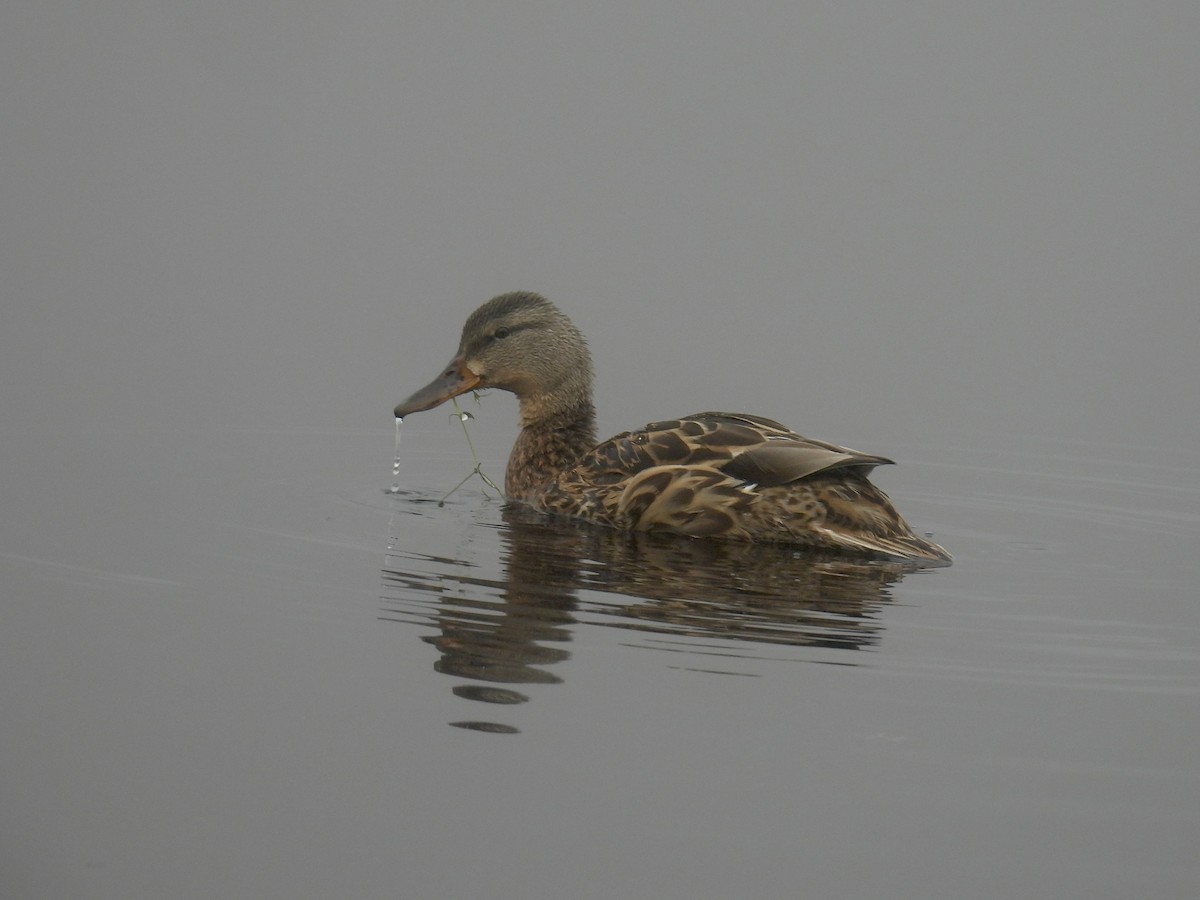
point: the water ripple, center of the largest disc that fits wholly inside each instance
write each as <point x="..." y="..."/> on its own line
<point x="512" y="625"/>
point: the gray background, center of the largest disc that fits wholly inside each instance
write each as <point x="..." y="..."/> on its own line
<point x="234" y="235"/>
<point x="869" y="220"/>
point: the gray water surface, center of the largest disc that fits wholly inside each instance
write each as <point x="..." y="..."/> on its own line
<point x="221" y="681"/>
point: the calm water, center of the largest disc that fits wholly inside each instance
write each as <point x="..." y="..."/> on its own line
<point x="219" y="681"/>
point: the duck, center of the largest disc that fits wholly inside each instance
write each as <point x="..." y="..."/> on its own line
<point x="711" y="475"/>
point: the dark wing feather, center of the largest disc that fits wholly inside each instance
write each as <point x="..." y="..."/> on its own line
<point x="782" y="462"/>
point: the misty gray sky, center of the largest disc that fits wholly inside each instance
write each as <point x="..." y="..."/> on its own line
<point x="875" y="222"/>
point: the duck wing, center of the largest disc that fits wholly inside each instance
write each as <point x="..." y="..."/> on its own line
<point x="750" y="448"/>
<point x="746" y="448"/>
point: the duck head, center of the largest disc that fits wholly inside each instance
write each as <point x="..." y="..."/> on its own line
<point x="517" y="342"/>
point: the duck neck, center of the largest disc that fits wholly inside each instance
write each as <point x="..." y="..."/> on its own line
<point x="551" y="440"/>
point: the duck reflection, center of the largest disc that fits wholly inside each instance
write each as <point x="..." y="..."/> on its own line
<point x="560" y="575"/>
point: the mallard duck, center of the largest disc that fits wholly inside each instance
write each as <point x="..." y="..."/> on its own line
<point x="709" y="475"/>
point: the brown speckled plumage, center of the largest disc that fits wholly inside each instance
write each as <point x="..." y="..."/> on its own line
<point x="712" y="475"/>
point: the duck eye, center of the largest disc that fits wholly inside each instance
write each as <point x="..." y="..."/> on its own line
<point x="501" y="333"/>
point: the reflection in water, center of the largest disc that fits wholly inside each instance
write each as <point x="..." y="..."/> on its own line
<point x="559" y="574"/>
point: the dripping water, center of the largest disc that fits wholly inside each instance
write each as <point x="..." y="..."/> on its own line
<point x="396" y="459"/>
<point x="395" y="488"/>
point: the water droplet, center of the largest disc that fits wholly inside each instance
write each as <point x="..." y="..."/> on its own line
<point x="396" y="458"/>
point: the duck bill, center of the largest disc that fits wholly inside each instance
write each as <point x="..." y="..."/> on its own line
<point x="456" y="379"/>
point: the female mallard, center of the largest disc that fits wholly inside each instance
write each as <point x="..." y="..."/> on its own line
<point x="708" y="475"/>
